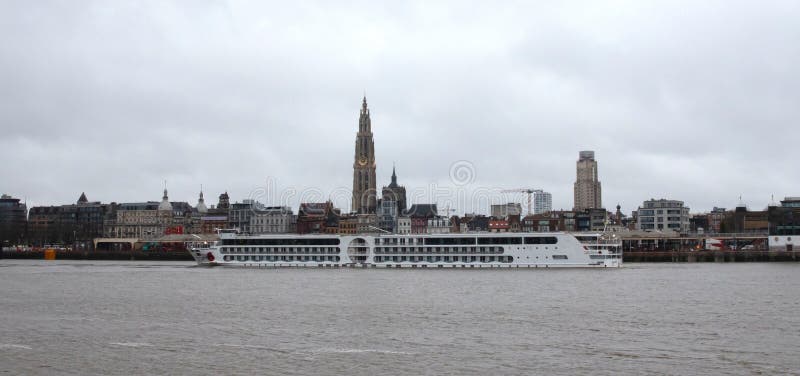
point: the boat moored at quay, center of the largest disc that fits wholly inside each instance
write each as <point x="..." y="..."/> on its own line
<point x="458" y="250"/>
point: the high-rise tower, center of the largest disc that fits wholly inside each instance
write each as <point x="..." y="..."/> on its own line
<point x="364" y="191"/>
<point x="587" y="187"/>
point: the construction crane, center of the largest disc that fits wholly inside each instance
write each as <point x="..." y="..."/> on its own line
<point x="529" y="191"/>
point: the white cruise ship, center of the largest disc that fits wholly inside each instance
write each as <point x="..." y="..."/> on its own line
<point x="460" y="250"/>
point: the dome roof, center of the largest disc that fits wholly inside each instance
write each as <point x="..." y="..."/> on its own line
<point x="201" y="204"/>
<point x="165" y="205"/>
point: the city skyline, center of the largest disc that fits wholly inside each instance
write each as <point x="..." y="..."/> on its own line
<point x="516" y="90"/>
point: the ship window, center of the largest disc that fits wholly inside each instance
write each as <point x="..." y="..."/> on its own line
<point x="500" y="240"/>
<point x="541" y="240"/>
<point x="449" y="241"/>
<point x="559" y="257"/>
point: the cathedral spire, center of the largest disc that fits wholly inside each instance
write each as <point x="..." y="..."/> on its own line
<point x="364" y="193"/>
<point x="394" y="177"/>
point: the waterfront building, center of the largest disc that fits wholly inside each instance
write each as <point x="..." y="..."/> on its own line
<point x="348" y="224"/>
<point x="715" y="219"/>
<point x="210" y="223"/>
<point x="44" y="225"/>
<point x="558" y="220"/>
<point x="240" y="214"/>
<point x="317" y="218"/>
<point x="542" y="202"/>
<point x="438" y="225"/>
<point x="785" y="219"/>
<point x="135" y="220"/>
<point x="420" y="214"/>
<point x="367" y="223"/>
<point x="791" y="203"/>
<point x="213" y="218"/>
<point x="502" y="211"/>
<point x="472" y="222"/>
<point x="587" y="186"/>
<point x="498" y="225"/>
<point x="76" y="224"/>
<point x="272" y="220"/>
<point x="403" y="225"/>
<point x="699" y="223"/>
<point x="364" y="191"/>
<point x="13" y="220"/>
<point x="542" y="222"/>
<point x="151" y="219"/>
<point x="514" y="222"/>
<point x="663" y="214"/>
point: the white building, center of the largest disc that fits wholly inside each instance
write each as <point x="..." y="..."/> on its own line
<point x="663" y="214"/>
<point x="542" y="202"/>
<point x="438" y="225"/>
<point x="403" y="225"/>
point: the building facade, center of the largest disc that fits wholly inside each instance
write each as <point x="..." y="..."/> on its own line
<point x="663" y="214"/>
<point x="503" y="211"/>
<point x="76" y="224"/>
<point x="587" y="186"/>
<point x="542" y="202"/>
<point x="438" y="225"/>
<point x="151" y="220"/>
<point x="13" y="221"/>
<point x="272" y="220"/>
<point x="387" y="215"/>
<point x="395" y="192"/>
<point x="364" y="191"/>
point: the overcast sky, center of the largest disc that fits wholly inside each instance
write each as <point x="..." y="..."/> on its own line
<point x="696" y="101"/>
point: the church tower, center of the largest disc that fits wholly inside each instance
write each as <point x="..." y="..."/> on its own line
<point x="364" y="191"/>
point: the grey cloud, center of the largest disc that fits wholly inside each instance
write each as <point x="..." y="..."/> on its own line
<point x="681" y="100"/>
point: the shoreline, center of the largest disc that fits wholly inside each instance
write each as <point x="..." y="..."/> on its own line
<point x="633" y="257"/>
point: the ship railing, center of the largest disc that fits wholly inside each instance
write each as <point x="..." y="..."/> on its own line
<point x="603" y="242"/>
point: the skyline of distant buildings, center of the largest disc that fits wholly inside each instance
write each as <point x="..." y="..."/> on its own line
<point x="371" y="212"/>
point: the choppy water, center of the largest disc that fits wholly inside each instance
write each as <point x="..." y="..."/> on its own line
<point x="127" y="318"/>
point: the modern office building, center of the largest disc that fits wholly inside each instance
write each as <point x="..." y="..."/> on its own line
<point x="663" y="214"/>
<point x="542" y="202"/>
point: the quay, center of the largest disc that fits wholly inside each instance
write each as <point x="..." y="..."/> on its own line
<point x="688" y="255"/>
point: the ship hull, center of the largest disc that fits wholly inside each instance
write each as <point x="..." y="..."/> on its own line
<point x="440" y="251"/>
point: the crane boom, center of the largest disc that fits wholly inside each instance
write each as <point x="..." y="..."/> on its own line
<point x="529" y="191"/>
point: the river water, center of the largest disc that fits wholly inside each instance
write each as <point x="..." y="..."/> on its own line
<point x="89" y="317"/>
